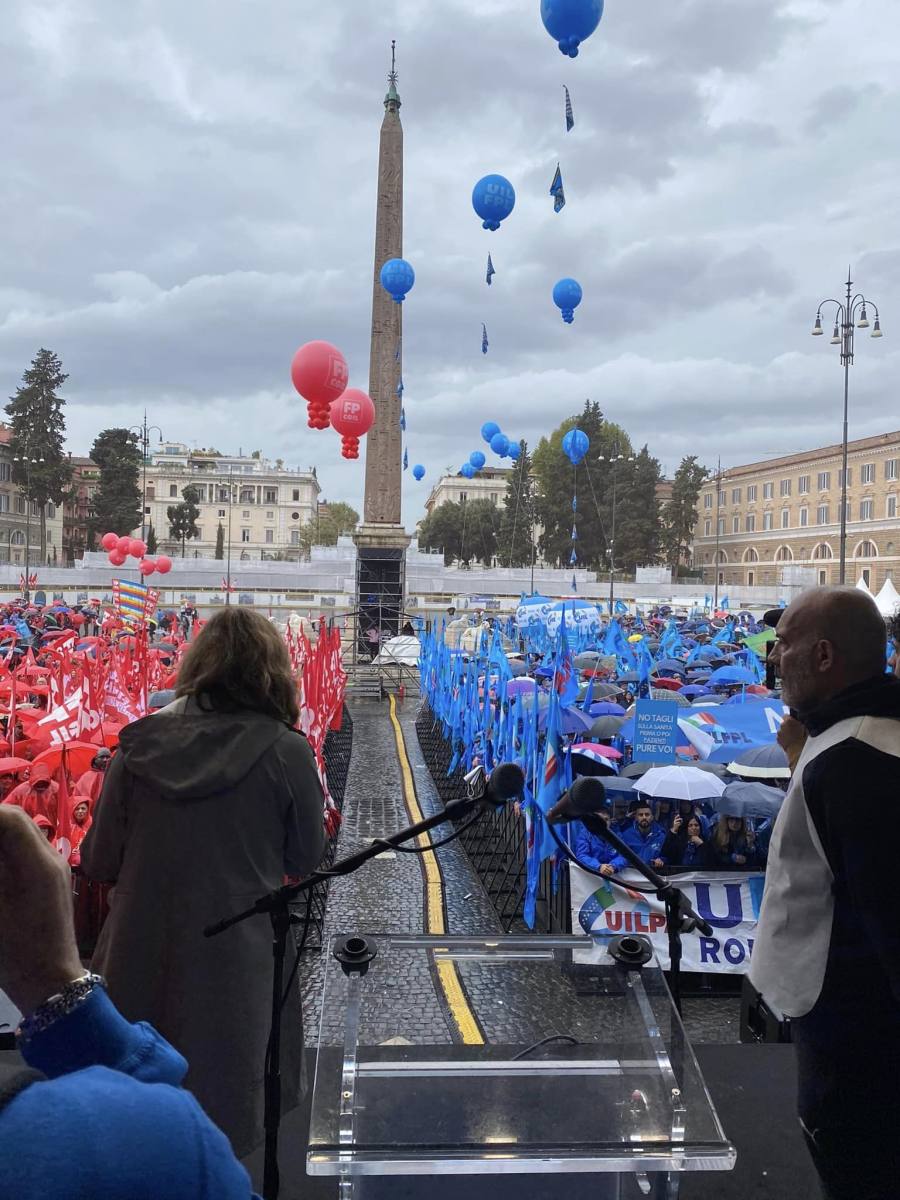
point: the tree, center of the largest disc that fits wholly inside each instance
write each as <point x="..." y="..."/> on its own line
<point x="152" y="543"/>
<point x="183" y="517"/>
<point x="514" y="545"/>
<point x="679" y="515"/>
<point x="557" y="483"/>
<point x="117" y="502"/>
<point x="638" y="530"/>
<point x="220" y="542"/>
<point x="463" y="531"/>
<point x="40" y="466"/>
<point x="442" y="530"/>
<point x="329" y="523"/>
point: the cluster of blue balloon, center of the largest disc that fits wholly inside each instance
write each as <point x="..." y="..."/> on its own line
<point x="570" y="22"/>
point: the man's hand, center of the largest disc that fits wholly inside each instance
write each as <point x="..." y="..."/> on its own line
<point x="38" y="954"/>
<point x="792" y="737"/>
<point x="676" y="824"/>
<point x="740" y="859"/>
<point x="607" y="870"/>
<point x="657" y="862"/>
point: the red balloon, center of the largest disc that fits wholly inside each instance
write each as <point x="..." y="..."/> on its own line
<point x="109" y="541"/>
<point x="353" y="413"/>
<point x="137" y="548"/>
<point x="123" y="545"/>
<point x="319" y="372"/>
<point x="116" y="558"/>
<point x="164" y="564"/>
<point x="146" y="566"/>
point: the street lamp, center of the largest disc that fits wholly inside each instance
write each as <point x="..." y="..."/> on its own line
<point x="613" y="459"/>
<point x="144" y="430"/>
<point x="850" y="314"/>
<point x="27" y="463"/>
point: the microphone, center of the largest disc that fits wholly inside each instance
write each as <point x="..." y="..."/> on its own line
<point x="504" y="783"/>
<point x="586" y="795"/>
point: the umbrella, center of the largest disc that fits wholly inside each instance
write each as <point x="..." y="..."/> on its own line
<point x="636" y="769"/>
<point x="587" y="659"/>
<point x="707" y="701"/>
<point x="602" y="690"/>
<point x="714" y="768"/>
<point x="666" y="683"/>
<point x="749" y="800"/>
<point x="521" y="687"/>
<point x="732" y="675"/>
<point x="9" y="766"/>
<point x="674" y="697"/>
<point x="746" y="697"/>
<point x="762" y="762"/>
<point x="78" y="756"/>
<point x="571" y="720"/>
<point x="606" y="727"/>
<point x="691" y="690"/>
<point x="671" y="664"/>
<point x="699" y="674"/>
<point x="595" y="750"/>
<point x="615" y="785"/>
<point x="516" y="666"/>
<point x="628" y="677"/>
<point x="758" y="689"/>
<point x="680" y="783"/>
<point x="606" y="708"/>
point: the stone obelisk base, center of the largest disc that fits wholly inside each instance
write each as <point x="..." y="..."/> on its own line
<point x="380" y="584"/>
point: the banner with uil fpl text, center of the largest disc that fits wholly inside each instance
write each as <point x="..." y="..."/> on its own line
<point x="729" y="900"/>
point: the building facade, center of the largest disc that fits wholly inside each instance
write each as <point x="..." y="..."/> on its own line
<point x="20" y="522"/>
<point x="78" y="508"/>
<point x="261" y="506"/>
<point x="488" y="484"/>
<point x="780" y="520"/>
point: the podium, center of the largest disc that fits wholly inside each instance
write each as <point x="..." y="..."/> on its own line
<point x="505" y="1056"/>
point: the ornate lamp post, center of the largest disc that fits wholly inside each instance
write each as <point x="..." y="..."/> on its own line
<point x="850" y="314"/>
<point x="613" y="459"/>
<point x="143" y="431"/>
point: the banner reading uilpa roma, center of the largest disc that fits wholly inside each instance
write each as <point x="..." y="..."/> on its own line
<point x="728" y="900"/>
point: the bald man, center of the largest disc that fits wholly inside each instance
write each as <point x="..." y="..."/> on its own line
<point x="827" y="950"/>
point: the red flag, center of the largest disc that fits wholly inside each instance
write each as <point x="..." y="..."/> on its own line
<point x="63" y="814"/>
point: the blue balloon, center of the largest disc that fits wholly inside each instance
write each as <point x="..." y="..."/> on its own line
<point x="476" y="458"/>
<point x="418" y="471"/>
<point x="489" y="429"/>
<point x="500" y="444"/>
<point x="493" y="199"/>
<point x="514" y="451"/>
<point x="397" y="278"/>
<point x="567" y="296"/>
<point x="467" y="469"/>
<point x="570" y="22"/>
<point x="575" y="444"/>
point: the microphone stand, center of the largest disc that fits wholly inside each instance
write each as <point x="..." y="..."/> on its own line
<point x="680" y="917"/>
<point x="479" y="796"/>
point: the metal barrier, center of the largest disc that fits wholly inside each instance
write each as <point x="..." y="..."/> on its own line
<point x="496" y="845"/>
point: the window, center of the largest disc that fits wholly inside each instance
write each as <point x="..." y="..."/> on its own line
<point x="891" y="506"/>
<point x="735" y="524"/>
<point x="4" y="501"/>
<point x="247" y="495"/>
<point x="767" y="520"/>
<point x="751" y="493"/>
<point x="822" y="514"/>
<point x="751" y="523"/>
<point x="785" y="487"/>
<point x="463" y="497"/>
<point x="751" y="555"/>
<point x="866" y="549"/>
<point x="784" y="554"/>
<point x="723" y="499"/>
<point x="495" y="496"/>
<point x="245" y="513"/>
<point x="20" y="504"/>
<point x="768" y="491"/>
<point x="823" y="578"/>
<point x="707" y="500"/>
<point x="865" y="509"/>
<point x="221" y="512"/>
<point x="270" y="536"/>
<point x="51" y="511"/>
<point x="849" y="477"/>
<point x="245" y="535"/>
<point x="295" y="537"/>
<point x="296" y="494"/>
<point x="824" y="481"/>
<point x="867" y="576"/>
<point x="803" y="485"/>
<point x="147" y="510"/>
<point x="785" y="518"/>
<point x="735" y="495"/>
<point x="707" y="527"/>
<point x="5" y="472"/>
<point x="804" y="517"/>
<point x="868" y="472"/>
<point x="270" y="516"/>
<point x="750" y="578"/>
<point x="35" y="509"/>
<point x="849" y="510"/>
<point x="823" y="550"/>
<point x="890" y="469"/>
<point x="151" y="491"/>
<point x="173" y="490"/>
<point x="270" y="495"/>
<point x="721" y="525"/>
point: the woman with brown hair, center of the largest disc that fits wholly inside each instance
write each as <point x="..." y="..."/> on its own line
<point x="206" y="806"/>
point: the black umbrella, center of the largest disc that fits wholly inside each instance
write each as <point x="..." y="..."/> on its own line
<point x="636" y="769"/>
<point x="749" y="800"/>
<point x="606" y="727"/>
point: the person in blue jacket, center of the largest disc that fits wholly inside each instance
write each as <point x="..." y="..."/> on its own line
<point x="645" y="836"/>
<point x="593" y="851"/>
<point x="100" y="1112"/>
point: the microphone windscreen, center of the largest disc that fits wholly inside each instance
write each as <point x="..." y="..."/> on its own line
<point x="506" y="782"/>
<point x="587" y="795"/>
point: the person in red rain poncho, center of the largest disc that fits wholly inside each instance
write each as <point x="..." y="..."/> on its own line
<point x="47" y="828"/>
<point x="80" y="808"/>
<point x="90" y="784"/>
<point x="37" y="795"/>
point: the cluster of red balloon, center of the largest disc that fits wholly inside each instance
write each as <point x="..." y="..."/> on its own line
<point x="119" y="549"/>
<point x="319" y="372"/>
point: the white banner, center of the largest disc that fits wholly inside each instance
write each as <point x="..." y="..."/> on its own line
<point x="729" y="900"/>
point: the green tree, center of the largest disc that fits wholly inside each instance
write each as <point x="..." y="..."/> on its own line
<point x="152" y="543"/>
<point x="442" y="530"/>
<point x="478" y="536"/>
<point x="220" y="542"/>
<point x="117" y="501"/>
<point x="514" y="546"/>
<point x="638" y="527"/>
<point x="329" y="523"/>
<point x="558" y="481"/>
<point x="40" y="465"/>
<point x="183" y="517"/>
<point x="679" y="515"/>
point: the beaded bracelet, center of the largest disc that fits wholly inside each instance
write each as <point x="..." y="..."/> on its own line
<point x="60" y="1005"/>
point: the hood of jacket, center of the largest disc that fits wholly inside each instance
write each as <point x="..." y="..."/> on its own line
<point x="875" y="697"/>
<point x="187" y="753"/>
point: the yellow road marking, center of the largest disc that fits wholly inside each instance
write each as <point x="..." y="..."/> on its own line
<point x="454" y="994"/>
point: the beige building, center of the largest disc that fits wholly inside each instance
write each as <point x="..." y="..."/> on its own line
<point x="488" y="484"/>
<point x="264" y="504"/>
<point x="20" y="522"/>
<point x="779" y="521"/>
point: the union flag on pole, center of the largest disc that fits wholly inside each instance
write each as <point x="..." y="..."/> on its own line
<point x="134" y="601"/>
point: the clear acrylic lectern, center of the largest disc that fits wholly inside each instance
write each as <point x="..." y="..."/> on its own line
<point x="506" y="1056"/>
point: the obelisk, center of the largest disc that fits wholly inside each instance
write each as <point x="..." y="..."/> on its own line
<point x="381" y="540"/>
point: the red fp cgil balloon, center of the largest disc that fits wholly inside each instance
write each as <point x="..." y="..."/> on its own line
<point x="353" y="413"/>
<point x="123" y="545"/>
<point x="146" y="566"/>
<point x="164" y="564"/>
<point x="319" y="372"/>
<point x="137" y="549"/>
<point x="116" y="558"/>
<point x="109" y="541"/>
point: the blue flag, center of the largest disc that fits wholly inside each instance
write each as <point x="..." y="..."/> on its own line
<point x="400" y="387"/>
<point x="490" y="271"/>
<point x="405" y="459"/>
<point x="484" y="339"/>
<point x="570" y="116"/>
<point x="403" y="419"/>
<point x="556" y="191"/>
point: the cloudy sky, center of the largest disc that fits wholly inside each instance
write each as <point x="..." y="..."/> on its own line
<point x="188" y="194"/>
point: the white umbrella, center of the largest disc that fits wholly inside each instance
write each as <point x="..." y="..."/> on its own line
<point x="680" y="783"/>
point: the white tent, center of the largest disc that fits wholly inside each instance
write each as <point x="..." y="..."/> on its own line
<point x="402" y="649"/>
<point x="888" y="599"/>
<point x="863" y="586"/>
